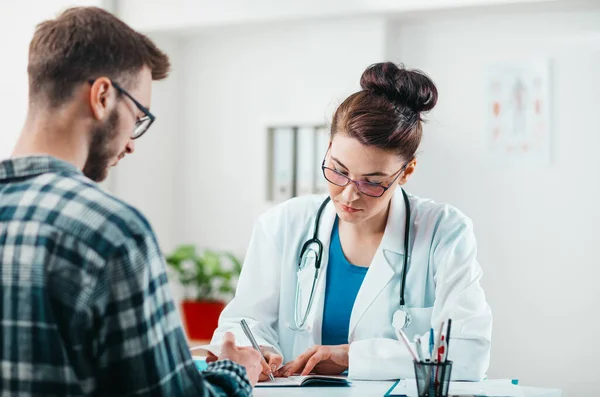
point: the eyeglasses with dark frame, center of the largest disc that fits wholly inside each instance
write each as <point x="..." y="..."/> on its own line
<point x="367" y="188"/>
<point x="142" y="123"/>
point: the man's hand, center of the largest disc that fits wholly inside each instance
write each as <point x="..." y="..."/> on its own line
<point x="325" y="360"/>
<point x="245" y="356"/>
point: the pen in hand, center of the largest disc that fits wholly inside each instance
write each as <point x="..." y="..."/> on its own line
<point x="249" y="335"/>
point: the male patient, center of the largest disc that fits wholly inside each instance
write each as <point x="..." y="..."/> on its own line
<point x="84" y="299"/>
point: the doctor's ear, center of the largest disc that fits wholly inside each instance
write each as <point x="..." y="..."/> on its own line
<point x="410" y="168"/>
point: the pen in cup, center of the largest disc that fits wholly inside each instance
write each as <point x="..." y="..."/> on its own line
<point x="436" y="352"/>
<point x="418" y="348"/>
<point x="447" y="339"/>
<point x="401" y="335"/>
<point x="431" y="344"/>
<point x="249" y="335"/>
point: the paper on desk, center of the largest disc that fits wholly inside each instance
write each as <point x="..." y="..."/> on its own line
<point x="487" y="388"/>
<point x="278" y="382"/>
<point x="297" y="380"/>
<point x="491" y="388"/>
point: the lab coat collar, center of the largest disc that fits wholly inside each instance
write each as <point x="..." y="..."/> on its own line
<point x="392" y="243"/>
<point x="387" y="262"/>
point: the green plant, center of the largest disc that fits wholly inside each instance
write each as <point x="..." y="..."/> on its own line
<point x="204" y="276"/>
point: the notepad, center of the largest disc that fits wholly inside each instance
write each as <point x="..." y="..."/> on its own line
<point x="308" y="380"/>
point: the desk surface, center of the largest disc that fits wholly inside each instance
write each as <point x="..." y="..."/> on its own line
<point x="364" y="389"/>
<point x="367" y="389"/>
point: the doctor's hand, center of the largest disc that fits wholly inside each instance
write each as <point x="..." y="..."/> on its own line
<point x="325" y="360"/>
<point x="245" y="356"/>
<point x="274" y="361"/>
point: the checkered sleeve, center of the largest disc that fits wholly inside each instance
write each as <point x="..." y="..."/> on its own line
<point x="142" y="349"/>
<point x="229" y="376"/>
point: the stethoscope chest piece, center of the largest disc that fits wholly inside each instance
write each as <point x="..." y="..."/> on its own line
<point x="401" y="319"/>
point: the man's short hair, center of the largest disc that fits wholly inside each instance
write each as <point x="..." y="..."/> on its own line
<point x="85" y="43"/>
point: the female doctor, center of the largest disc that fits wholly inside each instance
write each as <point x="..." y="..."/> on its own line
<point x="326" y="279"/>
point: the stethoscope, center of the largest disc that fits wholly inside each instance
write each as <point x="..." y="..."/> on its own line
<point x="312" y="251"/>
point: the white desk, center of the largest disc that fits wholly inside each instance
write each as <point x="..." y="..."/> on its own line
<point x="366" y="389"/>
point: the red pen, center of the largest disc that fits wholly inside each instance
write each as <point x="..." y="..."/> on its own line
<point x="435" y="355"/>
<point x="441" y="353"/>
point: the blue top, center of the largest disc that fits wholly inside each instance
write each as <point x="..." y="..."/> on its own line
<point x="343" y="282"/>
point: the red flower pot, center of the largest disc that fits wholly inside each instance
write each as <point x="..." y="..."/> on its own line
<point x="201" y="318"/>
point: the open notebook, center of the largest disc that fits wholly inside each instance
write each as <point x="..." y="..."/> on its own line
<point x="308" y="380"/>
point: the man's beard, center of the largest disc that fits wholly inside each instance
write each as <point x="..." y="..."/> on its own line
<point x="100" y="151"/>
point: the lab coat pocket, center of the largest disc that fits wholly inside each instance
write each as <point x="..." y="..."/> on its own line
<point x="420" y="321"/>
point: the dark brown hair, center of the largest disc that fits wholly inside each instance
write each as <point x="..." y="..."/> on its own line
<point x="85" y="43"/>
<point x="386" y="113"/>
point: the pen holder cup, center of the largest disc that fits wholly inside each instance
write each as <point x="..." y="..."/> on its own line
<point x="433" y="379"/>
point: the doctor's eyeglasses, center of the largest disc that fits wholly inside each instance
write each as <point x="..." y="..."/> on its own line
<point x="366" y="188"/>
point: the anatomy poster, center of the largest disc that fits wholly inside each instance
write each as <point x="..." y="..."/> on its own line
<point x="518" y="112"/>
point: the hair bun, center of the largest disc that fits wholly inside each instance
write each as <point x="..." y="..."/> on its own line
<point x="406" y="88"/>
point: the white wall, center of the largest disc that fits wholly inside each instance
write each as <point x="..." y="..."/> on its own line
<point x="536" y="226"/>
<point x="150" y="178"/>
<point x="17" y="24"/>
<point x="239" y="81"/>
<point x="153" y="15"/>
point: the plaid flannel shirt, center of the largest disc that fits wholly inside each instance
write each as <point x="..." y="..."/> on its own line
<point x="84" y="298"/>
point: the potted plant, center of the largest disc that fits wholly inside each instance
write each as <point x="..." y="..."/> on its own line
<point x="208" y="280"/>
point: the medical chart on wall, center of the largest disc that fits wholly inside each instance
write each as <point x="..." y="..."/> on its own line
<point x="519" y="112"/>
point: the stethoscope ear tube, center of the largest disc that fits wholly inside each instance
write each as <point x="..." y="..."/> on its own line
<point x="406" y="243"/>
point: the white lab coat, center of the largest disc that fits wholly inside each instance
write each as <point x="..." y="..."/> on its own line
<point x="442" y="282"/>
